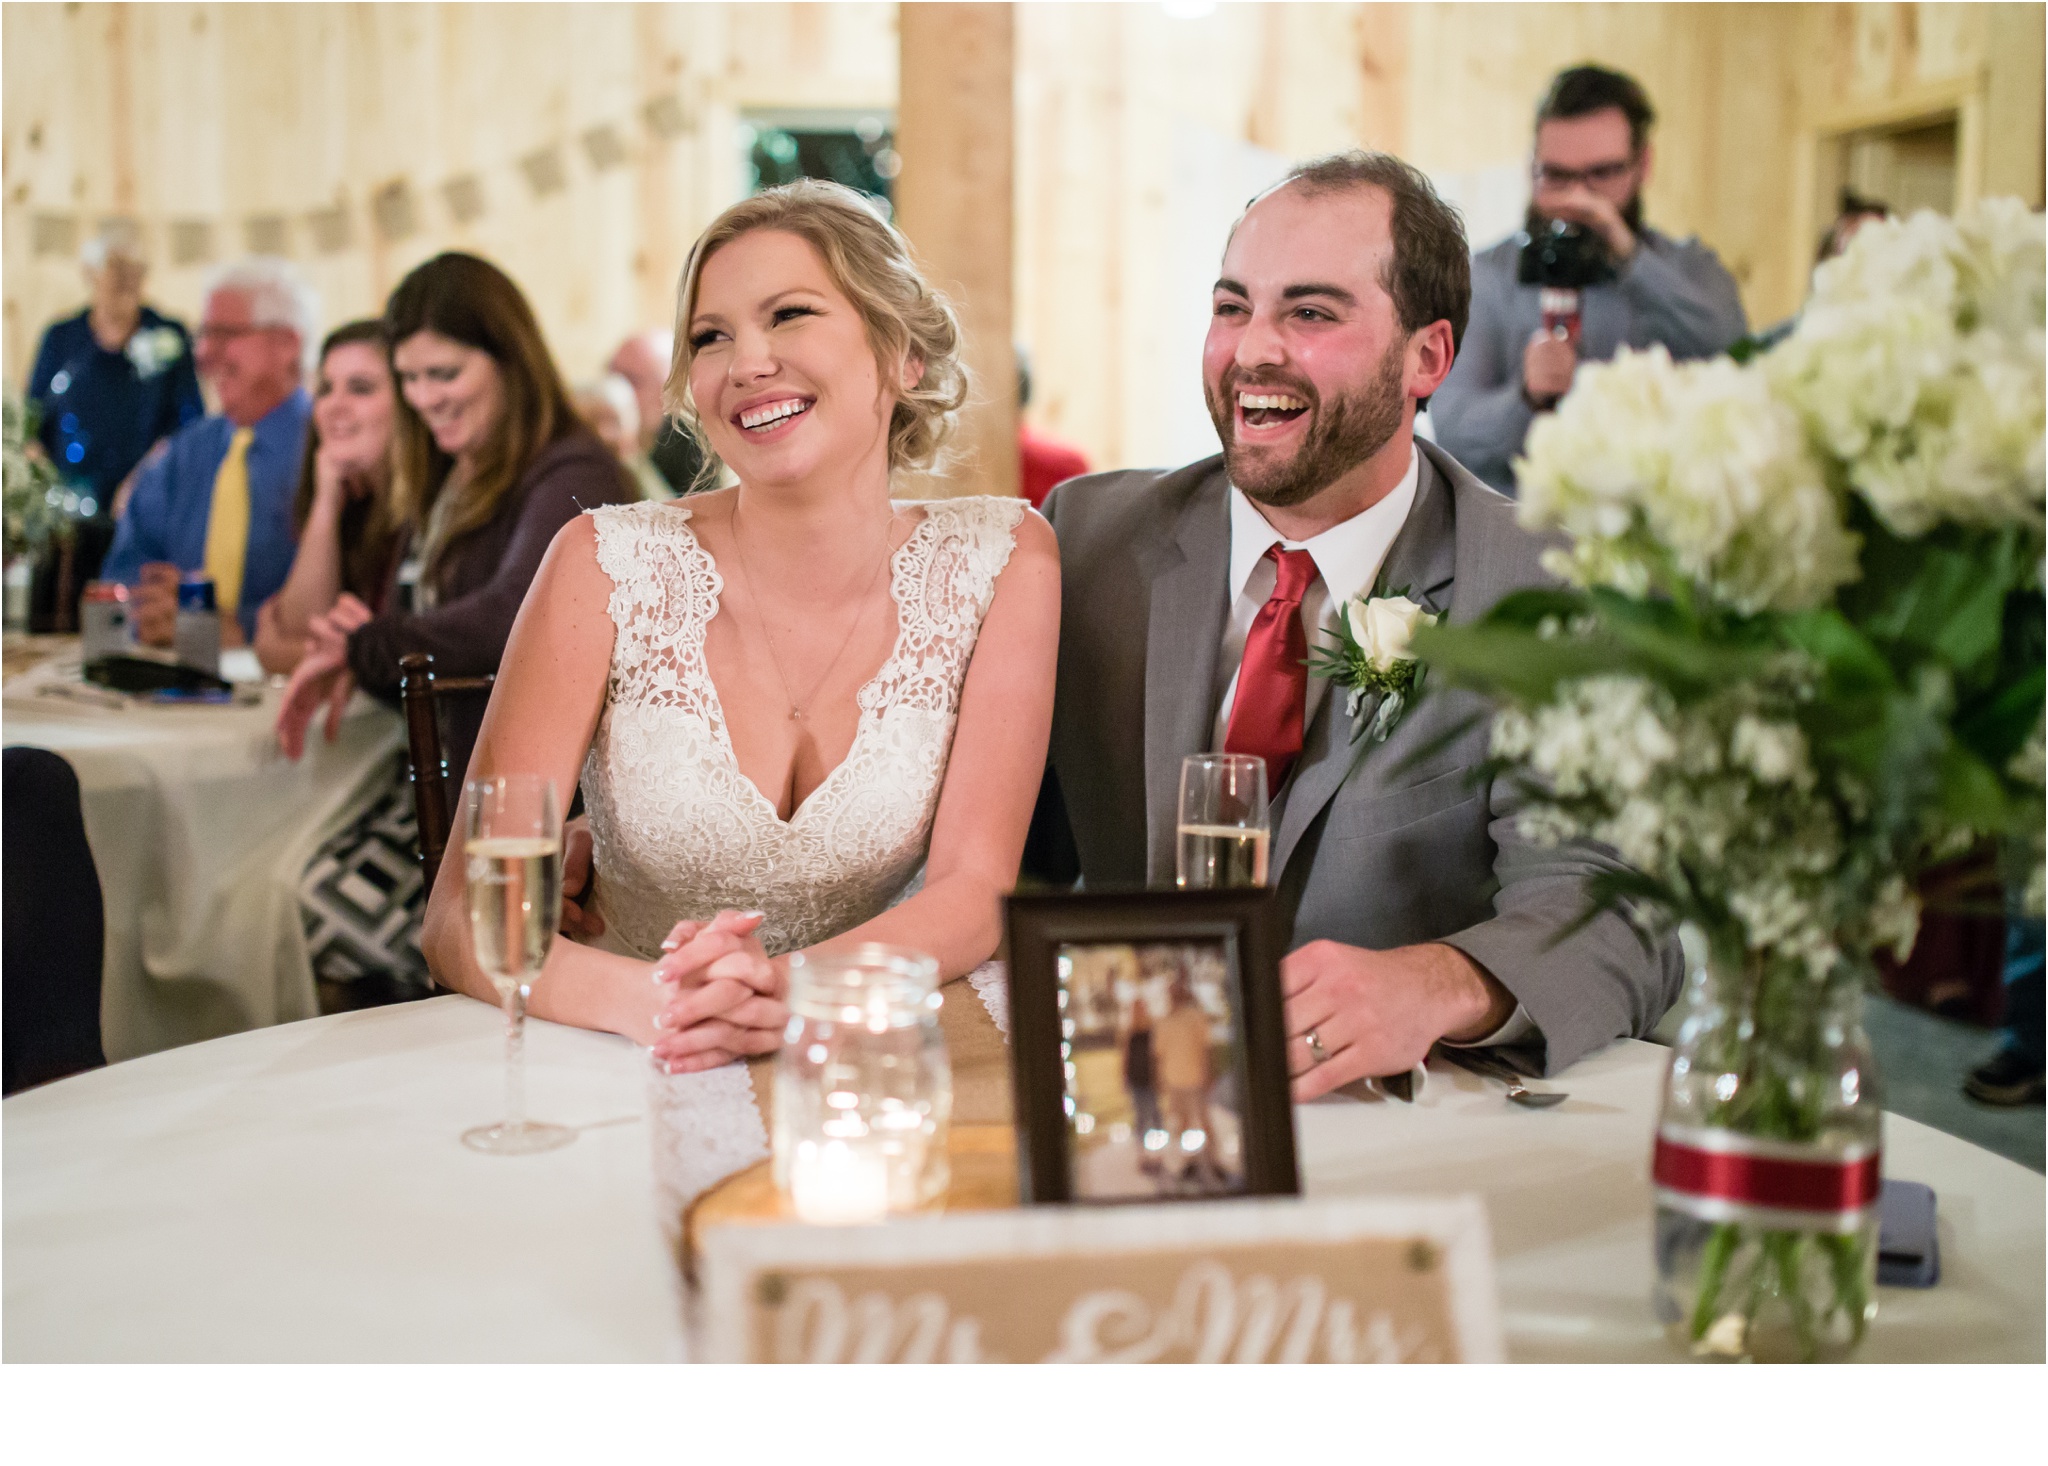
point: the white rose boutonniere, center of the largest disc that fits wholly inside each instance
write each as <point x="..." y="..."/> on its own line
<point x="1372" y="656"/>
<point x="154" y="350"/>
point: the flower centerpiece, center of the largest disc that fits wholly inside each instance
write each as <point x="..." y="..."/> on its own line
<point x="42" y="515"/>
<point x="1797" y="659"/>
<point x="34" y="492"/>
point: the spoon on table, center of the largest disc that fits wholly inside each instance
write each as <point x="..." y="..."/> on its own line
<point x="1487" y="1066"/>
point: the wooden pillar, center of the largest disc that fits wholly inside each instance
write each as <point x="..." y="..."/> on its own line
<point x="954" y="130"/>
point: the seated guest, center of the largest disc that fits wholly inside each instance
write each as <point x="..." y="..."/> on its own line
<point x="612" y="411"/>
<point x="644" y="359"/>
<point x="1419" y="911"/>
<point x="115" y="379"/>
<point x="502" y="461"/>
<point x="796" y="697"/>
<point x="219" y="499"/>
<point x="349" y="513"/>
<point x="1042" y="463"/>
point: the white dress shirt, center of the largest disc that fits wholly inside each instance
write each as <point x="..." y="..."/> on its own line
<point x="1348" y="558"/>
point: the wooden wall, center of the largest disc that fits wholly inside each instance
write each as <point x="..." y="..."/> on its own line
<point x="226" y="112"/>
<point x="1137" y="136"/>
<point x="1107" y="93"/>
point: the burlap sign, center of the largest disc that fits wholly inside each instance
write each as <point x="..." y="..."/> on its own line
<point x="1280" y="1281"/>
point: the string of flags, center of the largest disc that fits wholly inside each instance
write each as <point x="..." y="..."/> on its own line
<point x="395" y="210"/>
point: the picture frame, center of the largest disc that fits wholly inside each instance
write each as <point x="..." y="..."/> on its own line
<point x="1148" y="1047"/>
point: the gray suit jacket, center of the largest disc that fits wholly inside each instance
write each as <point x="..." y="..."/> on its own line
<point x="1401" y="851"/>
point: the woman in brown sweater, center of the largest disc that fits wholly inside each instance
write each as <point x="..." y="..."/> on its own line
<point x="487" y="431"/>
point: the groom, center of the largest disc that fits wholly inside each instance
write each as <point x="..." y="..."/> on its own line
<point x="1192" y="597"/>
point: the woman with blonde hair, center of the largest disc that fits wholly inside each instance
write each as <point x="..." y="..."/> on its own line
<point x="786" y="699"/>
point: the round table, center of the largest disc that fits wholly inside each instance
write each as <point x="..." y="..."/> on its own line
<point x="200" y="830"/>
<point x="298" y="1193"/>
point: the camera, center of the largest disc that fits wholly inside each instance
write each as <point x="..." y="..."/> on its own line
<point x="1560" y="255"/>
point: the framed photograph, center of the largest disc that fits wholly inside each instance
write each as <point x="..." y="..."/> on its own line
<point x="1147" y="1045"/>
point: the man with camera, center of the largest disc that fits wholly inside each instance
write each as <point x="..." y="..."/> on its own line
<point x="1584" y="278"/>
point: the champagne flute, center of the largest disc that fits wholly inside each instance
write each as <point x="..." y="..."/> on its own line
<point x="1224" y="830"/>
<point x="513" y="853"/>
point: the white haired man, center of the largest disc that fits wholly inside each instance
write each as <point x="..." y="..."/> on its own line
<point x="218" y="499"/>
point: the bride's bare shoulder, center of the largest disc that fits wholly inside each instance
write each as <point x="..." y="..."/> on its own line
<point x="572" y="576"/>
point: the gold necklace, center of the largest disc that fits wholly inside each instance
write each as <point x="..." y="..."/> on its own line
<point x="797" y="710"/>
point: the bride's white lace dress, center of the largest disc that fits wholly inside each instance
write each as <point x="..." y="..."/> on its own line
<point x="679" y="832"/>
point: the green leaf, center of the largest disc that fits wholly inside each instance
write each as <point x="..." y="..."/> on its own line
<point x="1995" y="728"/>
<point x="1940" y="595"/>
<point x="1850" y="661"/>
<point x="1969" y="793"/>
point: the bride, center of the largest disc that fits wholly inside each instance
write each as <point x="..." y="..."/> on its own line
<point x="787" y="698"/>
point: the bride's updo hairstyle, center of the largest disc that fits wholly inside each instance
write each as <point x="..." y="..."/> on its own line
<point x="870" y="264"/>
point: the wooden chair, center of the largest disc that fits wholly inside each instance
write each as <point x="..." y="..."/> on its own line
<point x="418" y="688"/>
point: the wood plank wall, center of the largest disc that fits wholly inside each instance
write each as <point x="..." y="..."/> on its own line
<point x="1103" y="90"/>
<point x="228" y="112"/>
<point x="234" y="111"/>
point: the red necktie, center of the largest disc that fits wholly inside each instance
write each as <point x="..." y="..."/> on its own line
<point x="1272" y="681"/>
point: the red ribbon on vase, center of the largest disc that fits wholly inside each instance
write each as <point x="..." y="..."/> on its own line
<point x="1721" y="1176"/>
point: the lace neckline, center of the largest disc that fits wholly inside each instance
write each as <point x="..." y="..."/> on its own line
<point x="863" y="697"/>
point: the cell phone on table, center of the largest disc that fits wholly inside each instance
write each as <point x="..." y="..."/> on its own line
<point x="214" y="695"/>
<point x="1908" y="1256"/>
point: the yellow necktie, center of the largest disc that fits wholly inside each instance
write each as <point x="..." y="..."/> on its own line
<point x="227" y="524"/>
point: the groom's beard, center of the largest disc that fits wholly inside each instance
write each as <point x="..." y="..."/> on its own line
<point x="1343" y="431"/>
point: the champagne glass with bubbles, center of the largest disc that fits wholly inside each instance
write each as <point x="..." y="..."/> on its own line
<point x="513" y="853"/>
<point x="1224" y="830"/>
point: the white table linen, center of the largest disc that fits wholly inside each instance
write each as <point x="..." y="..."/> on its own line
<point x="200" y="830"/>
<point x="299" y="1194"/>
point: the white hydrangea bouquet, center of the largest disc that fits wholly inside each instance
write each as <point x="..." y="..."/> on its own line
<point x="1797" y="660"/>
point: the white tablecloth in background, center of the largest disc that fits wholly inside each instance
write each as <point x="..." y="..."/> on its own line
<point x="300" y="1194"/>
<point x="200" y="830"/>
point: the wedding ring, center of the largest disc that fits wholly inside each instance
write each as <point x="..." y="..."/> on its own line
<point x="1315" y="1047"/>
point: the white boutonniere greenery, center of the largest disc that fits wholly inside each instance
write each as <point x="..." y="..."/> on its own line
<point x="154" y="349"/>
<point x="1372" y="655"/>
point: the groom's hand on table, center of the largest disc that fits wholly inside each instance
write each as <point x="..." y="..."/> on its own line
<point x="1377" y="1013"/>
<point x="727" y="998"/>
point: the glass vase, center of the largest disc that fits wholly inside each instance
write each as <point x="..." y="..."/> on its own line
<point x="1767" y="1165"/>
<point x="863" y="1086"/>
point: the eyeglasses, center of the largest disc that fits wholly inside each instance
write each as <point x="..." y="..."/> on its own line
<point x="215" y="332"/>
<point x="1550" y="176"/>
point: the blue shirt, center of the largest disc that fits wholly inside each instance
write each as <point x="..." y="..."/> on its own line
<point x="173" y="499"/>
<point x="102" y="410"/>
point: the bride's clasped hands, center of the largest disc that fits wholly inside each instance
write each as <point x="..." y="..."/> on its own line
<point x="727" y="994"/>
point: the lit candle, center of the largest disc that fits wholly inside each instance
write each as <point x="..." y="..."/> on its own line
<point x="834" y="1184"/>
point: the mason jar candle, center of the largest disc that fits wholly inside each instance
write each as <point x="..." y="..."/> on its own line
<point x="863" y="1086"/>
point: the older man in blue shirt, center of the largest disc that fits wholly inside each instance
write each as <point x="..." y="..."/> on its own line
<point x="218" y="499"/>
